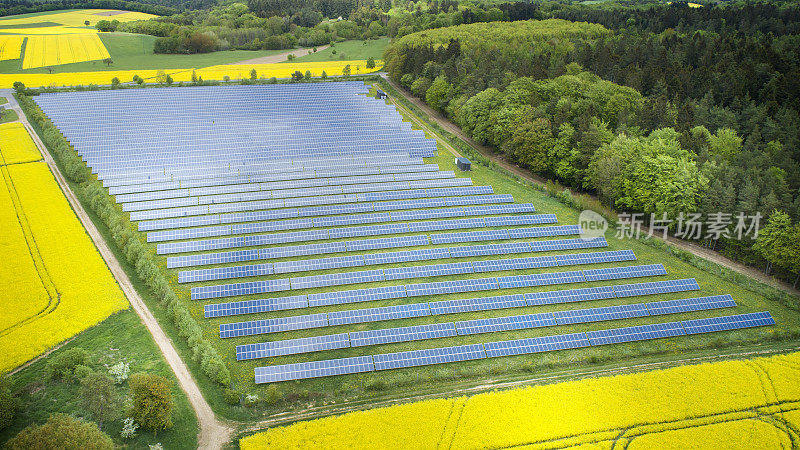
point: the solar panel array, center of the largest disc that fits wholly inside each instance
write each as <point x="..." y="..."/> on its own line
<point x="469" y="327"/>
<point x="444" y="355"/>
<point x="399" y="273"/>
<point x="281" y="177"/>
<point x="126" y="133"/>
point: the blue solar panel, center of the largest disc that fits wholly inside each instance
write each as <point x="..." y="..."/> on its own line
<point x="530" y="219"/>
<point x="406" y="256"/>
<point x="228" y="330"/>
<point x="256" y="306"/>
<point x="229" y="290"/>
<point x="425" y="357"/>
<point x="378" y="314"/>
<point x="404" y="334"/>
<point x="614" y="273"/>
<point x="305" y="265"/>
<point x="600" y="314"/>
<point x="656" y="287"/>
<point x="432" y="270"/>
<point x="637" y="333"/>
<point x="570" y="295"/>
<point x="336" y="279"/>
<point x="222" y="273"/>
<point x="477" y="304"/>
<point x="757" y="319"/>
<point x="536" y="345"/>
<point x="298" y="371"/>
<point x="449" y="287"/>
<point x="356" y="295"/>
<point x="691" y="304"/>
<point x="292" y="346"/>
<point x="495" y="324"/>
<point x="540" y="279"/>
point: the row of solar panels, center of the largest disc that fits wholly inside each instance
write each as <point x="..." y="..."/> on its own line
<point x="400" y="210"/>
<point x="451" y="306"/>
<point x="443" y="355"/>
<point x="359" y="231"/>
<point x="478" y="326"/>
<point x="293" y="193"/>
<point x="196" y="179"/>
<point x="367" y="244"/>
<point x="414" y="146"/>
<point x="431" y="288"/>
<point x="332" y="221"/>
<point x="370" y="259"/>
<point x="424" y="271"/>
<point x="335" y="200"/>
<point x="251" y="186"/>
<point x="401" y="149"/>
<point x="255" y="169"/>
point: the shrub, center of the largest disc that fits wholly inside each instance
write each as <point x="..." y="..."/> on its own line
<point x="129" y="427"/>
<point x="152" y="401"/>
<point x="82" y="372"/>
<point x="232" y="397"/>
<point x="62" y="366"/>
<point x="120" y="372"/>
<point x="63" y="432"/>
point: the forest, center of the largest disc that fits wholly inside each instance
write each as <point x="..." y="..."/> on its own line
<point x="689" y="112"/>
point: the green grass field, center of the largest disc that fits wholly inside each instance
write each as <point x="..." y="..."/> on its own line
<point x="347" y="50"/>
<point x="135" y="51"/>
<point x="121" y="337"/>
<point x="363" y="386"/>
<point x="8" y="115"/>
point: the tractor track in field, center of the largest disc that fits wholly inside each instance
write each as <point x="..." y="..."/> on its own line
<point x="487" y="152"/>
<point x="214" y="434"/>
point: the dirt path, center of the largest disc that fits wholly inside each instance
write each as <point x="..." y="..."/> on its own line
<point x="280" y="57"/>
<point x="213" y="433"/>
<point x="690" y="247"/>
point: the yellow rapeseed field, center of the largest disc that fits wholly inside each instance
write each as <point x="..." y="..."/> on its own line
<point x="283" y="70"/>
<point x="54" y="50"/>
<point x="16" y="145"/>
<point x="76" y="18"/>
<point x="10" y="47"/>
<point x="743" y="404"/>
<point x="53" y="282"/>
<point x="217" y="73"/>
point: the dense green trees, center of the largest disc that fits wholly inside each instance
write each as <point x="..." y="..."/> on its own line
<point x="582" y="103"/>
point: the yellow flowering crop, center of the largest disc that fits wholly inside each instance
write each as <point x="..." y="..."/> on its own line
<point x="53" y="282"/>
<point x="282" y="70"/>
<point x="735" y="404"/>
<point x="54" y="50"/>
<point x="10" y="47"/>
<point x="217" y="73"/>
<point x="76" y="18"/>
<point x="16" y="145"/>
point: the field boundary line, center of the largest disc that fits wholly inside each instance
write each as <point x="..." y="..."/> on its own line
<point x="213" y="433"/>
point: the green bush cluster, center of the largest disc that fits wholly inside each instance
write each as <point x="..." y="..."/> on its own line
<point x="149" y="267"/>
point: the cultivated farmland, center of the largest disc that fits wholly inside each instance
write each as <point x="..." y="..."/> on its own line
<point x="47" y="296"/>
<point x="747" y="405"/>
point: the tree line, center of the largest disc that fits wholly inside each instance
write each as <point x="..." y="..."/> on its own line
<point x="652" y="121"/>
